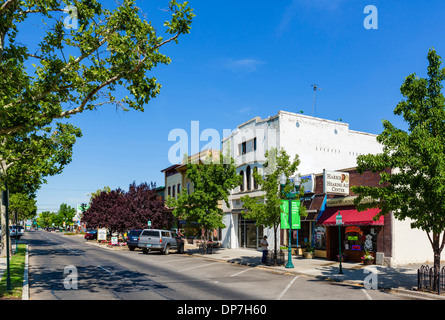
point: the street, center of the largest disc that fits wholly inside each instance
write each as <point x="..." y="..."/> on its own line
<point x="65" y="268"/>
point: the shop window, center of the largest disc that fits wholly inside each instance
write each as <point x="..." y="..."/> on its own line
<point x="363" y="238"/>
<point x="320" y="238"/>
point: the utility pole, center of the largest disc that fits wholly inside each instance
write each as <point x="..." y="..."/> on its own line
<point x="314" y="87"/>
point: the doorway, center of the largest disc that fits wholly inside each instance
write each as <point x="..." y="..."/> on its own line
<point x="249" y="234"/>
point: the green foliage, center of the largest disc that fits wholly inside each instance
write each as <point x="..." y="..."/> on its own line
<point x="416" y="187"/>
<point x="22" y="204"/>
<point x="73" y="70"/>
<point x="212" y="182"/>
<point x="96" y="193"/>
<point x="265" y="210"/>
<point x="17" y="265"/>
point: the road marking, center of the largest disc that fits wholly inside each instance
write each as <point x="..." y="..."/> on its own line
<point x="287" y="288"/>
<point x="366" y="294"/>
<point x="202" y="265"/>
<point x="105" y="270"/>
<point x="236" y="274"/>
<point x="167" y="261"/>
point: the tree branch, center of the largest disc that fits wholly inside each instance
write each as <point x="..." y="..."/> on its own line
<point x="7" y="4"/>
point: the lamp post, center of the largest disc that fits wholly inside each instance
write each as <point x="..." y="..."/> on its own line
<point x="7" y="235"/>
<point x="339" y="222"/>
<point x="290" y="196"/>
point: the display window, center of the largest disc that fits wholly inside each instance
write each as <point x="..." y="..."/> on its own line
<point x="361" y="238"/>
<point x="320" y="238"/>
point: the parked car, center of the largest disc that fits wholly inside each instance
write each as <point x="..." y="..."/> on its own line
<point x="159" y="240"/>
<point x="91" y="235"/>
<point x="132" y="240"/>
<point x="18" y="231"/>
<point x="12" y="232"/>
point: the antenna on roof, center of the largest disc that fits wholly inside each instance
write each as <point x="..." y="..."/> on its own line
<point x="314" y="87"/>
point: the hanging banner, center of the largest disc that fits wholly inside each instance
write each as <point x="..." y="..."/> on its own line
<point x="284" y="207"/>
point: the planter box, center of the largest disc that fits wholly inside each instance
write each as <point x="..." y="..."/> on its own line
<point x="367" y="262"/>
<point x="308" y="255"/>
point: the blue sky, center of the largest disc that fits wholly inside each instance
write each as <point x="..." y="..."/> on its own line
<point x="253" y="58"/>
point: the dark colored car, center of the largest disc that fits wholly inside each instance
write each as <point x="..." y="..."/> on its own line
<point x="133" y="238"/>
<point x="91" y="235"/>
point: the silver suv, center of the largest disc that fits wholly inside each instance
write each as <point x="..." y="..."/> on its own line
<point x="160" y="240"/>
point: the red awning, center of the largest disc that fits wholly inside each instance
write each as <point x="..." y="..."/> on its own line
<point x="350" y="217"/>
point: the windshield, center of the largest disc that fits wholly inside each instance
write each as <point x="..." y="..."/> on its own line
<point x="134" y="233"/>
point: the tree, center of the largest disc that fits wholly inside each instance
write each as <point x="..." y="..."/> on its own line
<point x="71" y="70"/>
<point x="144" y="204"/>
<point x="105" y="211"/>
<point x="212" y="181"/>
<point x="26" y="159"/>
<point x="65" y="214"/>
<point x="120" y="211"/>
<point x="44" y="219"/>
<point x="98" y="192"/>
<point x="23" y="206"/>
<point x="415" y="188"/>
<point x="265" y="209"/>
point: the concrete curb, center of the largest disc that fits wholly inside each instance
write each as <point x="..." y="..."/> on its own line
<point x="25" y="289"/>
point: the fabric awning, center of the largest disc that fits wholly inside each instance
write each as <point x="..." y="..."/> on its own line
<point x="350" y="217"/>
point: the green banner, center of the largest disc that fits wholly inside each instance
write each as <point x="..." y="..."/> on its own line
<point x="295" y="208"/>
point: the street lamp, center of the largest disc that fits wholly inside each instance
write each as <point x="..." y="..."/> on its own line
<point x="290" y="196"/>
<point x="339" y="222"/>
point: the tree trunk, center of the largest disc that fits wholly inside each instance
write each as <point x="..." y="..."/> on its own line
<point x="437" y="250"/>
<point x="4" y="228"/>
<point x="275" y="229"/>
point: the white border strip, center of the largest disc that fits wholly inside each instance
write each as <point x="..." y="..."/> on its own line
<point x="25" y="289"/>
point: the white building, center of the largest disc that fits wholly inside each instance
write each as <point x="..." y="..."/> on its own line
<point x="320" y="144"/>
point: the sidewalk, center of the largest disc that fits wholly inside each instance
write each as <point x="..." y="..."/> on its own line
<point x="402" y="279"/>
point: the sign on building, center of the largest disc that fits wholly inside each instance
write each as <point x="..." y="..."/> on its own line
<point x="336" y="182"/>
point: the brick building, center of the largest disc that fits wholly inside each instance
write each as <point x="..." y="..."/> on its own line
<point x="390" y="241"/>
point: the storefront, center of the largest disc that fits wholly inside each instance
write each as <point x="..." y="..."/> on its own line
<point x="358" y="234"/>
<point x="249" y="234"/>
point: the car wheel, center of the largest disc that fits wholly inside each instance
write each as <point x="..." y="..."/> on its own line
<point x="144" y="250"/>
<point x="166" y="249"/>
<point x="131" y="248"/>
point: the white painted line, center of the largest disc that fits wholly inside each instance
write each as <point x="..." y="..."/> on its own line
<point x="366" y="294"/>
<point x="236" y="274"/>
<point x="25" y="289"/>
<point x="167" y="261"/>
<point x="287" y="288"/>
<point x="105" y="270"/>
<point x="202" y="265"/>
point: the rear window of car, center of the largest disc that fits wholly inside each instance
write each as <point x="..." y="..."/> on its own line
<point x="150" y="233"/>
<point x="165" y="234"/>
<point x="135" y="233"/>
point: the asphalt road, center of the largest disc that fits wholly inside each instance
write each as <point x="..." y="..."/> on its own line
<point x="66" y="268"/>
